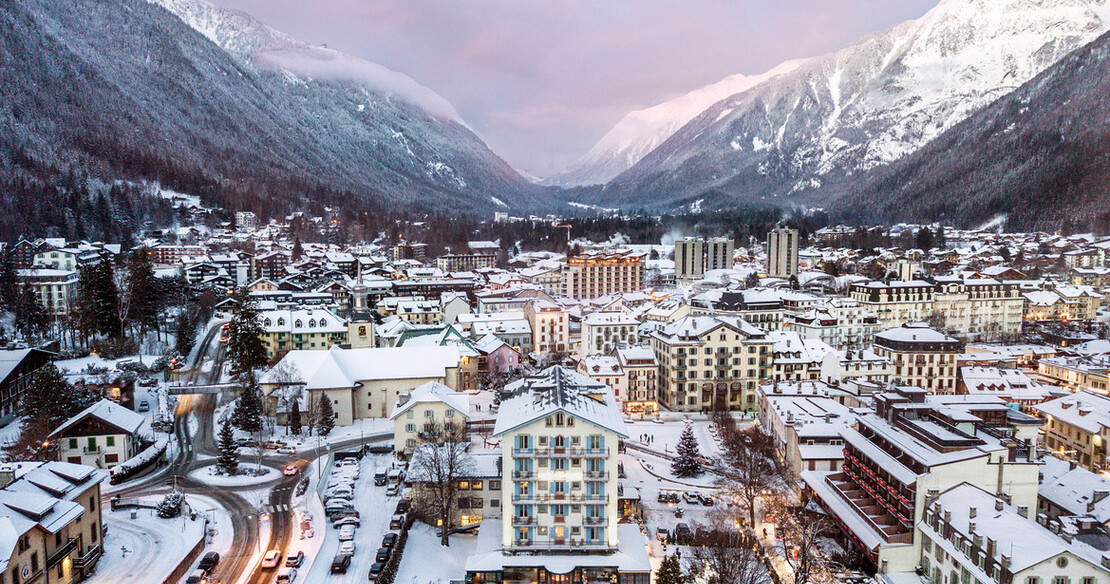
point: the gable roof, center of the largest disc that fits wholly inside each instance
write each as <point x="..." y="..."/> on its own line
<point x="558" y="389"/>
<point x="431" y="393"/>
<point x="109" y="412"/>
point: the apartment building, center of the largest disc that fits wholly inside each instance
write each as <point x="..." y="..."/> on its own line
<point x="694" y="256"/>
<point x="796" y="359"/>
<point x="418" y="415"/>
<point x="1078" y="427"/>
<point x="921" y="356"/>
<point x="895" y="303"/>
<point x="480" y="488"/>
<point x="54" y="530"/>
<point x="559" y="432"/>
<point x="1076" y="373"/>
<point x="863" y="365"/>
<point x="466" y="262"/>
<point x="842" y="323"/>
<point x="603" y="332"/>
<point x="761" y="307"/>
<point x="711" y="362"/>
<point x="804" y="425"/>
<point x="301" y="329"/>
<point x="914" y="447"/>
<point x="642" y="369"/>
<point x="782" y="253"/>
<point x="550" y="325"/>
<point x="599" y="273"/>
<point x="981" y="308"/>
<point x="55" y="290"/>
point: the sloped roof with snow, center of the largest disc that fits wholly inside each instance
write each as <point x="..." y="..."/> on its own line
<point x="558" y="389"/>
<point x="434" y="392"/>
<point x="344" y="368"/>
<point x="108" y="412"/>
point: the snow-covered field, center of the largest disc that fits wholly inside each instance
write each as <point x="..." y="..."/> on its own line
<point x="148" y="548"/>
<point x="208" y="476"/>
<point x="427" y="562"/>
<point x="375" y="509"/>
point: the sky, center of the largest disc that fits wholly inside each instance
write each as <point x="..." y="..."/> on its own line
<point x="542" y="80"/>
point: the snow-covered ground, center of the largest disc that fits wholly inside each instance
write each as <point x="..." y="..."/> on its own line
<point x="375" y="509"/>
<point x="664" y="437"/>
<point x="208" y="476"/>
<point x="427" y="562"/>
<point x="148" y="548"/>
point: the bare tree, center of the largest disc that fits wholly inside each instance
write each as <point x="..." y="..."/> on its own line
<point x="437" y="466"/>
<point x="726" y="556"/>
<point x="745" y="468"/>
<point x="799" y="533"/>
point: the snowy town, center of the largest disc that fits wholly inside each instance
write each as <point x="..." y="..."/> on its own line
<point x="239" y="404"/>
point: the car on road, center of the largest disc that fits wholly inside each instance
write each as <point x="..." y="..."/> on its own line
<point x="706" y="500"/>
<point x="663" y="534"/>
<point x="144" y="406"/>
<point x="294" y="560"/>
<point x="347" y="521"/>
<point x="392" y="490"/>
<point x="376" y="570"/>
<point x="346" y="533"/>
<point x="379" y="478"/>
<point x="197" y="577"/>
<point x="340" y="564"/>
<point x="347" y="547"/>
<point x="286" y="450"/>
<point x="380" y="449"/>
<point x="209" y="562"/>
<point x="383" y="554"/>
<point x="223" y="334"/>
<point x="287" y="575"/>
<point x="291" y="470"/>
<point x="396" y="521"/>
<point x="389" y="540"/>
<point x="402" y="507"/>
<point x="689" y="497"/>
<point x="271" y="560"/>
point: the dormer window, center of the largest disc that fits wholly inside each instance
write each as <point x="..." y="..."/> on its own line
<point x="311" y="322"/>
<point x="267" y="322"/>
<point x="298" y="323"/>
<point x="323" y="322"/>
<point x="281" y="322"/>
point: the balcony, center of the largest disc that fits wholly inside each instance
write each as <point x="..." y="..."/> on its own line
<point x="90" y="558"/>
<point x="599" y="475"/>
<point x="889" y="527"/>
<point x="522" y="474"/>
<point x="595" y="452"/>
<point x="95" y="450"/>
<point x="595" y="520"/>
<point x="519" y="521"/>
<point x="60" y="553"/>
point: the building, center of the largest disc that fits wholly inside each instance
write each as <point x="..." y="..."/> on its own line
<point x="695" y="256"/>
<point x="914" y="447"/>
<point x="559" y="432"/>
<point x="980" y="308"/>
<point x="53" y="530"/>
<point x="897" y="302"/>
<point x="1076" y="373"/>
<point x="17" y="369"/>
<point x="301" y="329"/>
<point x="863" y="365"/>
<point x="599" y="273"/>
<point x="467" y="262"/>
<point x="642" y="390"/>
<point x="1014" y="386"/>
<point x="711" y="362"/>
<point x="1078" y="427"/>
<point x="921" y="356"/>
<point x="805" y="424"/>
<point x="428" y="409"/>
<point x="56" y="290"/>
<point x="782" y="253"/>
<point x="796" y="359"/>
<point x="550" y="326"/>
<point x="362" y="383"/>
<point x="480" y="489"/>
<point x="246" y="221"/>
<point x="104" y="435"/>
<point x="603" y="332"/>
<point x="970" y="530"/>
<point x="842" y="323"/>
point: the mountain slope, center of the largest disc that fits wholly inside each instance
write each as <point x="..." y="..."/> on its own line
<point x="813" y="131"/>
<point x="1040" y="157"/>
<point x="124" y="89"/>
<point x="641" y="131"/>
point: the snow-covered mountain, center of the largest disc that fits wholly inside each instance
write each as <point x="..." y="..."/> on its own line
<point x="641" y="131"/>
<point x="216" y="104"/>
<point x="817" y="129"/>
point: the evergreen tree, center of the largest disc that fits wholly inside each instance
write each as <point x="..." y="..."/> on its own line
<point x="145" y="293"/>
<point x="9" y="282"/>
<point x="670" y="572"/>
<point x="244" y="336"/>
<point x="298" y="249"/>
<point x="687" y="463"/>
<point x="325" y="415"/>
<point x="295" y="417"/>
<point x="228" y="460"/>
<point x="31" y="318"/>
<point x="247" y="415"/>
<point x="48" y="401"/>
<point x="100" y="300"/>
<point x="185" y="333"/>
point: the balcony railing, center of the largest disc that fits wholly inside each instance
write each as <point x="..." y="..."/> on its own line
<point x="522" y="474"/>
<point x="94" y="450"/>
<point x="597" y="475"/>
<point x="90" y="557"/>
<point x="595" y="520"/>
<point x="573" y="543"/>
<point x="60" y="553"/>
<point x="518" y="520"/>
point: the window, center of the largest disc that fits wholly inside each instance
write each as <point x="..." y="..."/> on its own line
<point x="408" y="414"/>
<point x="111" y="440"/>
<point x="449" y="413"/>
<point x="475" y="485"/>
<point x="410" y="428"/>
<point x="429" y="413"/>
<point x="73" y="444"/>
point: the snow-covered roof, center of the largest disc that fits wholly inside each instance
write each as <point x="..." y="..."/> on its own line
<point x="1082" y="409"/>
<point x="914" y="332"/>
<point x="433" y="392"/>
<point x="558" y="389"/>
<point x="630" y="555"/>
<point x="108" y="412"/>
<point x="1077" y="491"/>
<point x="343" y="368"/>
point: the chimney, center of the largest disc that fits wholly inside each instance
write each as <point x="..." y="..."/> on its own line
<point x="990" y="547"/>
<point x="1099" y="495"/>
<point x="971" y="513"/>
<point x="1005" y="562"/>
<point x="971" y="527"/>
<point x="1072" y="464"/>
<point x="998" y="505"/>
<point x="1106" y="561"/>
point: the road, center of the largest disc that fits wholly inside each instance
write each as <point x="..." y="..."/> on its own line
<point x="245" y="516"/>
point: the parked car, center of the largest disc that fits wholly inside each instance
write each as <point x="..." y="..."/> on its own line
<point x="347" y="547"/>
<point x="663" y="534"/>
<point x="392" y="490"/>
<point x="144" y="406"/>
<point x="395" y="475"/>
<point x="402" y="507"/>
<point x="668" y="496"/>
<point x="355" y="521"/>
<point x="271" y="560"/>
<point x="376" y="570"/>
<point x="706" y="500"/>
<point x="197" y="577"/>
<point x="295" y="560"/>
<point x="380" y="449"/>
<point x="383" y="554"/>
<point x="682" y="532"/>
<point x="287" y="575"/>
<point x="389" y="540"/>
<point x="340" y="564"/>
<point x="379" y="478"/>
<point x="287" y="450"/>
<point x="689" y="497"/>
<point x="291" y="470"/>
<point x="396" y="521"/>
<point x="336" y="515"/>
<point x="209" y="562"/>
<point x="346" y="533"/>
